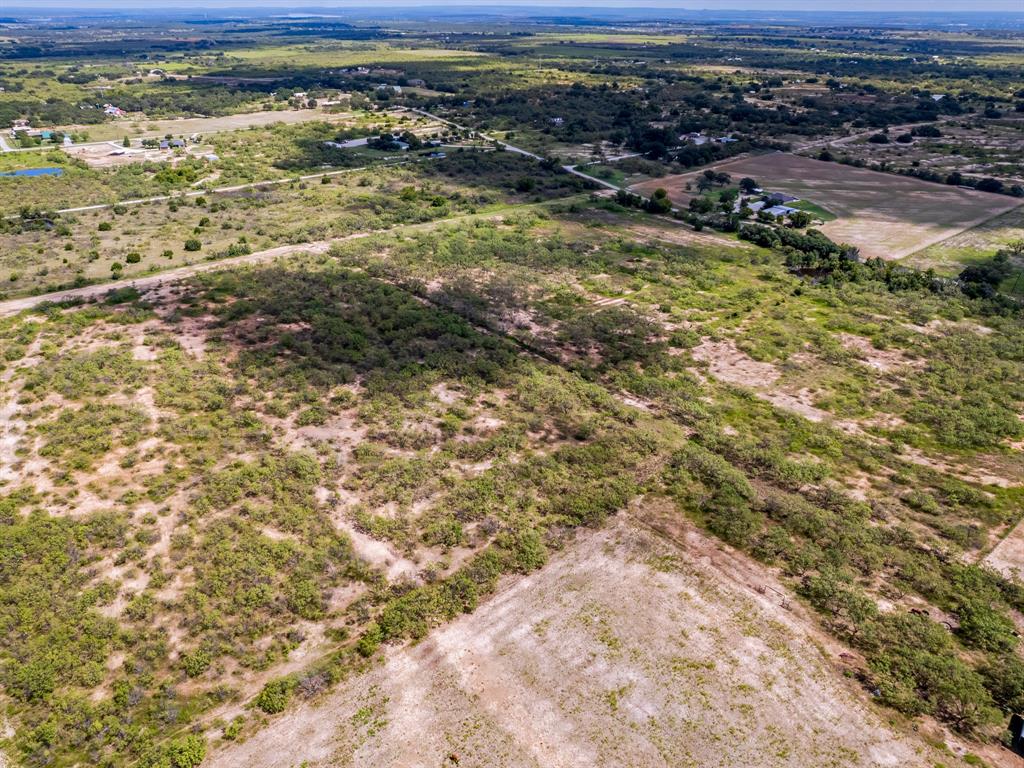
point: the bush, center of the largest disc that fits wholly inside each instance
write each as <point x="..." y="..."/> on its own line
<point x="274" y="696"/>
<point x="187" y="752"/>
<point x="105" y="226"/>
<point x="196" y="663"/>
<point x="192" y="244"/>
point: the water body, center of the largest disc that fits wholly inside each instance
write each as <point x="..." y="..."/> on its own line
<point x="34" y="172"/>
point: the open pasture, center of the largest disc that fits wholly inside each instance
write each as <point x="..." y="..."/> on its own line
<point x="884" y="215"/>
<point x="139" y="127"/>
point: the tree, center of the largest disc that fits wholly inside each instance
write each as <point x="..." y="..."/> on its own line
<point x="800" y="219"/>
<point x="659" y="202"/>
<point x="989" y="184"/>
<point x="127" y="142"/>
<point x="748" y="185"/>
<point x="192" y="244"/>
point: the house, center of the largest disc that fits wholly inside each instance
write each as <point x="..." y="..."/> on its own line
<point x="110" y="109"/>
<point x="757" y="206"/>
<point x="386" y="87"/>
<point x="177" y="143"/>
<point x="781" y="210"/>
<point x="165" y="144"/>
<point x="780" y="197"/>
<point x="211" y="157"/>
<point x="347" y="144"/>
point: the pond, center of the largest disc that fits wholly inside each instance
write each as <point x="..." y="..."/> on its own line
<point x="34" y="172"/>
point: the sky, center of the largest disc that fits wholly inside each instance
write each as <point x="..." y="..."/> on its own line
<point x="882" y="6"/>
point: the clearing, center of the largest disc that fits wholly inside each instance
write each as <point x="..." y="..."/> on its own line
<point x="136" y="127"/>
<point x="626" y="650"/>
<point x="884" y="215"/>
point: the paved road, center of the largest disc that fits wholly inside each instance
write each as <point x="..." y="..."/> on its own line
<point x="573" y="169"/>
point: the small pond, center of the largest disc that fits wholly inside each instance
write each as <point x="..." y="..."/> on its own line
<point x="34" y="172"/>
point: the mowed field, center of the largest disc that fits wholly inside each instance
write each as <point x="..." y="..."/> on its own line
<point x="140" y="127"/>
<point x="628" y="649"/>
<point x="884" y="215"/>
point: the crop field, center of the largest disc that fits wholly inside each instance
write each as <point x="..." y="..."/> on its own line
<point x="971" y="245"/>
<point x="883" y="215"/>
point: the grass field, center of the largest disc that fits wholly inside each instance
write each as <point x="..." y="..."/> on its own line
<point x="884" y="215"/>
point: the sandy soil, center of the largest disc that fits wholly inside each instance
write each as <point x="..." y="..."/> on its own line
<point x="884" y="215"/>
<point x="1007" y="556"/>
<point x="731" y="365"/>
<point x="626" y="650"/>
<point x="882" y="360"/>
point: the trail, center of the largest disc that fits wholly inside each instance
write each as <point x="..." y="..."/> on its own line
<point x="144" y="282"/>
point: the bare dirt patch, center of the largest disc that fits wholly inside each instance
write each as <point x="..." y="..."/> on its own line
<point x="1007" y="556"/>
<point x="883" y="360"/>
<point x="884" y="215"/>
<point x="626" y="650"/>
<point x="729" y="364"/>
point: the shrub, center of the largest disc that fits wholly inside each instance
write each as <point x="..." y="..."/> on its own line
<point x="274" y="696"/>
<point x="187" y="752"/>
<point x="196" y="663"/>
<point x="193" y="244"/>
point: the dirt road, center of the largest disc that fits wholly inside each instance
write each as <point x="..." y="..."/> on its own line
<point x="13" y="306"/>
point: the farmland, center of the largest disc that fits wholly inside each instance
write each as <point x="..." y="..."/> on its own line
<point x="885" y="216"/>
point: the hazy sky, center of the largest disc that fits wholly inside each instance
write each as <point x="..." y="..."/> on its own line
<point x="885" y="6"/>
